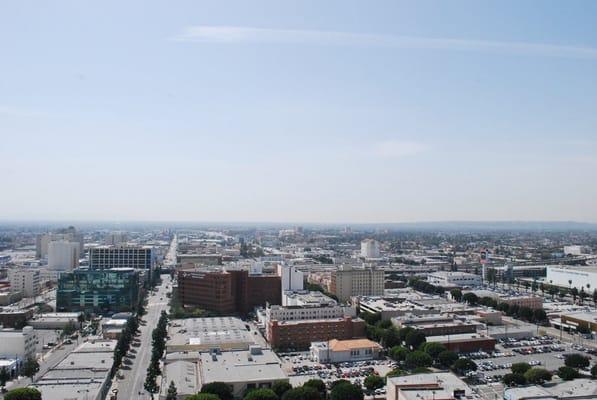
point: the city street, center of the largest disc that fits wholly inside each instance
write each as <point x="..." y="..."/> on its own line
<point x="131" y="386"/>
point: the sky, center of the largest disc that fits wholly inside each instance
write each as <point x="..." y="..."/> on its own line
<point x="298" y="111"/>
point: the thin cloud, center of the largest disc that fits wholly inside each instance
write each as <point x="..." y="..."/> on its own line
<point x="242" y="34"/>
<point x="398" y="149"/>
<point x="21" y="113"/>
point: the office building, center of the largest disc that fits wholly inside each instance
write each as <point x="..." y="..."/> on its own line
<point x="70" y="235"/>
<point x="453" y="279"/>
<point x="116" y="238"/>
<point x="108" y="257"/>
<point x="24" y="280"/>
<point x="292" y="279"/>
<point x="18" y="344"/>
<point x="348" y="281"/>
<point x="370" y="248"/>
<point x="63" y="255"/>
<point x="338" y="351"/>
<point x="227" y="292"/>
<point x="98" y="291"/>
<point x="437" y="385"/>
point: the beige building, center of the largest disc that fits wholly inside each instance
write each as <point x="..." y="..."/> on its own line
<point x="24" y="280"/>
<point x="349" y="281"/>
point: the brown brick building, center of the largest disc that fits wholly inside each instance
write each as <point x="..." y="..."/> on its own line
<point x="299" y="334"/>
<point x="228" y="292"/>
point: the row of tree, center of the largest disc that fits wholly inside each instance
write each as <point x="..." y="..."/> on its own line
<point x="426" y="355"/>
<point x="158" y="343"/>
<point x="423" y="286"/>
<point x="124" y="343"/>
<point x="522" y="373"/>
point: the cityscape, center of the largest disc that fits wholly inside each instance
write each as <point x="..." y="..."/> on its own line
<point x="298" y="200"/>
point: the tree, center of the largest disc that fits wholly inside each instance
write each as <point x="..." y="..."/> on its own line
<point x="568" y="373"/>
<point x="418" y="359"/>
<point x="595" y="297"/>
<point x="396" y="372"/>
<point x="470" y="298"/>
<point x="520" y="368"/>
<point x="574" y="293"/>
<point x="434" y="349"/>
<point x="371" y="318"/>
<point x="346" y="391"/>
<point x="30" y="368"/>
<point x="456" y="294"/>
<point x="373" y="382"/>
<point x="403" y="333"/>
<point x="302" y="393"/>
<point x="576" y="361"/>
<point x="281" y="387"/>
<point x="318" y="385"/>
<point x="463" y="365"/>
<point x="514" y="379"/>
<point x="220" y="389"/>
<point x="594" y="371"/>
<point x="447" y="358"/>
<point x="203" y="396"/>
<point x="539" y="315"/>
<point x="261" y="394"/>
<point x="391" y="338"/>
<point x="415" y="338"/>
<point x="399" y="353"/>
<point x="338" y="382"/>
<point x="537" y="376"/>
<point x="171" y="391"/>
<point x="4" y="376"/>
<point x="23" y="394"/>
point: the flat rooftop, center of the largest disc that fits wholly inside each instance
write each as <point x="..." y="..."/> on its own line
<point x="208" y="331"/>
<point x="241" y="366"/>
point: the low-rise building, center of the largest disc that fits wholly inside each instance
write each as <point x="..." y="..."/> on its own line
<point x="18" y="344"/>
<point x="453" y="279"/>
<point x="58" y="320"/>
<point x="337" y="351"/>
<point x="438" y="386"/>
<point x="435" y="325"/>
<point x="465" y="342"/>
<point x="389" y="308"/>
<point x="205" y="334"/>
<point x="568" y="390"/>
<point x="15" y="318"/>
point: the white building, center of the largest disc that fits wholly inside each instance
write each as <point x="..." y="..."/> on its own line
<point x="43" y="241"/>
<point x="63" y="255"/>
<point x="577" y="250"/>
<point x="449" y="279"/>
<point x="370" y="248"/>
<point x="114" y="238"/>
<point x="18" y="344"/>
<point x="347" y="282"/>
<point x="337" y="351"/>
<point x="292" y="279"/>
<point x="578" y="277"/>
<point x="26" y="281"/>
<point x="440" y="385"/>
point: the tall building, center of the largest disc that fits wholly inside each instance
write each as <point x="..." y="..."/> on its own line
<point x="228" y="291"/>
<point x="348" y="281"/>
<point x="115" y="238"/>
<point x="292" y="279"/>
<point x="69" y="234"/>
<point x="107" y="257"/>
<point x="370" y="248"/>
<point x="98" y="291"/>
<point x="63" y="255"/>
<point x="24" y="280"/>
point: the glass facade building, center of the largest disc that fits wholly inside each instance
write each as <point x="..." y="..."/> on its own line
<point x="98" y="291"/>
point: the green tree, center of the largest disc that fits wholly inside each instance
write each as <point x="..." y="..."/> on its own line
<point x="418" y="359"/>
<point x="520" y="368"/>
<point x="281" y="387"/>
<point x="539" y="315"/>
<point x="23" y="394"/>
<point x="447" y="358"/>
<point x="220" y="389"/>
<point x="463" y="365"/>
<point x="4" y="376"/>
<point x="30" y="368"/>
<point x="338" y="382"/>
<point x="391" y="337"/>
<point x="537" y="376"/>
<point x="172" y="392"/>
<point x="574" y="293"/>
<point x="403" y="333"/>
<point x="373" y="382"/>
<point x="399" y="353"/>
<point x="568" y="373"/>
<point x="594" y="371"/>
<point x="302" y="393"/>
<point x="396" y="372"/>
<point x="414" y="339"/>
<point x="576" y="360"/>
<point x="346" y="391"/>
<point x="470" y="298"/>
<point x="261" y="394"/>
<point x="456" y="294"/>
<point x="318" y="385"/>
<point x="371" y="318"/>
<point x="434" y="349"/>
<point x="514" y="379"/>
<point x="203" y="396"/>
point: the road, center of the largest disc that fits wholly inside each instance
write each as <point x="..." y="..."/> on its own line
<point x="131" y="386"/>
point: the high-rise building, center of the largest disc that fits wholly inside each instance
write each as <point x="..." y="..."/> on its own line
<point x="115" y="238"/>
<point x="69" y="234"/>
<point x="348" y="281"/>
<point x="370" y="248"/>
<point x="98" y="291"/>
<point x="292" y="279"/>
<point x="63" y="255"/>
<point x="107" y="257"/>
<point x="24" y="280"/>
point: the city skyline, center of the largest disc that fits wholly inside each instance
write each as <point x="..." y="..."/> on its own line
<point x="340" y="112"/>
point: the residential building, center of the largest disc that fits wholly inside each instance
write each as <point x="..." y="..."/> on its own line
<point x="24" y="280"/>
<point x="338" y="351"/>
<point x="109" y="257"/>
<point x="348" y="281"/>
<point x="63" y="255"/>
<point x="437" y="385"/>
<point x="370" y="249"/>
<point x="18" y="344"/>
<point x="452" y="279"/>
<point x="98" y="291"/>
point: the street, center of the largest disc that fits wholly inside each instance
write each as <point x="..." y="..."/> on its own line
<point x="131" y="386"/>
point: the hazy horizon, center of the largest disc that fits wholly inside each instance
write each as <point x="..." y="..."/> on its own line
<point x="325" y="113"/>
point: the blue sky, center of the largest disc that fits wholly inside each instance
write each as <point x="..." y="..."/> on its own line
<point x="302" y="111"/>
